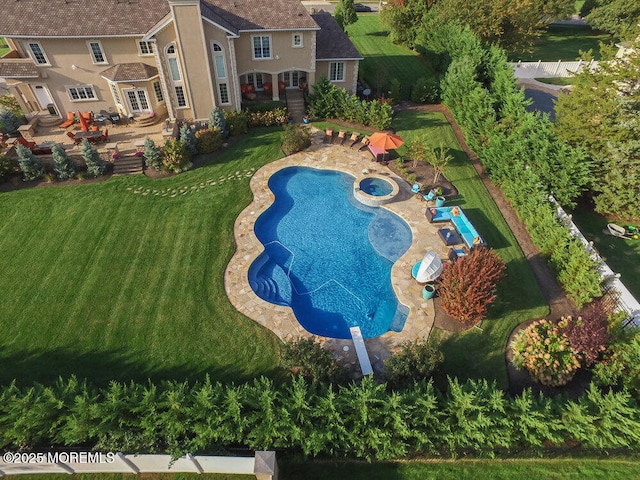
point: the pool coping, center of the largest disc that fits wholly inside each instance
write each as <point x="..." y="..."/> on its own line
<point x="280" y="319"/>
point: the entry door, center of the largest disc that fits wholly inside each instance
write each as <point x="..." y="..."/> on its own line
<point x="42" y="94"/>
<point x="291" y="79"/>
<point x="138" y="100"/>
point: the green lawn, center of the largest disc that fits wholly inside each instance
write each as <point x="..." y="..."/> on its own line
<point x="564" y="42"/>
<point x="557" y="81"/>
<point x="622" y="255"/>
<point x="479" y="353"/>
<point x="4" y="48"/>
<point x="106" y="283"/>
<point x="558" y="469"/>
<point x="383" y="60"/>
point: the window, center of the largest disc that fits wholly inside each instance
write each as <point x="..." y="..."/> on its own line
<point x="224" y="93"/>
<point x="336" y="71"/>
<point x="97" y="54"/>
<point x="158" y="92"/>
<point x="182" y="101"/>
<point x="261" y="47"/>
<point x="81" y="93"/>
<point x="145" y="48"/>
<point x="38" y="54"/>
<point x="218" y="60"/>
<point x="116" y="93"/>
<point x="297" y="40"/>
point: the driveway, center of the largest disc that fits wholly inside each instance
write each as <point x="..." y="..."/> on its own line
<point x="542" y="101"/>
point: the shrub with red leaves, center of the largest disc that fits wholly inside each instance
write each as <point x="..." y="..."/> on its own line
<point x="467" y="286"/>
<point x="588" y="334"/>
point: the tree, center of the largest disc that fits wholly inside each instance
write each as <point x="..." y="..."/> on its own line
<point x="63" y="166"/>
<point x="414" y="361"/>
<point x="620" y="366"/>
<point x="217" y="120"/>
<point x="32" y="168"/>
<point x="403" y="18"/>
<point x="95" y="165"/>
<point x="468" y="286"/>
<point x="618" y="17"/>
<point x="9" y="121"/>
<point x="305" y="357"/>
<point x="187" y="136"/>
<point x="152" y="154"/>
<point x="588" y="333"/>
<point x="345" y="13"/>
<point x="418" y="149"/>
<point x="176" y="156"/>
<point x="439" y="158"/>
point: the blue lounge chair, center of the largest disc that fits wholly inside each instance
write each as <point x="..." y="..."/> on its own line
<point x="430" y="196"/>
<point x="415" y="188"/>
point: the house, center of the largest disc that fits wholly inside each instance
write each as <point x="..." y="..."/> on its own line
<point x="178" y="58"/>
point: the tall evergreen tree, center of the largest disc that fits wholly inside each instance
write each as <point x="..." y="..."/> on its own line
<point x="152" y="154"/>
<point x="217" y="120"/>
<point x="345" y="13"/>
<point x="32" y="168"/>
<point x="63" y="166"/>
<point x="187" y="136"/>
<point x="95" y="165"/>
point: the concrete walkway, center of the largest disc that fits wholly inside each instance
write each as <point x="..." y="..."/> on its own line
<point x="280" y="319"/>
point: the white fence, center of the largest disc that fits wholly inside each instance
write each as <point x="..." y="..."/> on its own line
<point x="626" y="301"/>
<point x="542" y="69"/>
<point x="263" y="464"/>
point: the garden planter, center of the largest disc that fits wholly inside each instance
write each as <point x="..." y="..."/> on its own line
<point x="440" y="201"/>
<point x="428" y="291"/>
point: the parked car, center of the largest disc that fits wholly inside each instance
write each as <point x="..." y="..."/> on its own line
<point x="362" y="8"/>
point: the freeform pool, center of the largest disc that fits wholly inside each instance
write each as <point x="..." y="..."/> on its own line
<point x="327" y="256"/>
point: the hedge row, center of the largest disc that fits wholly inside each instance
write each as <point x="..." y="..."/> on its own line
<point x="357" y="421"/>
<point x="521" y="154"/>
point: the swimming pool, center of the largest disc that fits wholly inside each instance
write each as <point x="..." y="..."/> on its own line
<point x="327" y="256"/>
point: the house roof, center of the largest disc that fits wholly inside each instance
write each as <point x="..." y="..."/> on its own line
<point x="331" y="42"/>
<point x="18" y="68"/>
<point x="80" y="18"/>
<point x="243" y="15"/>
<point x="130" y="72"/>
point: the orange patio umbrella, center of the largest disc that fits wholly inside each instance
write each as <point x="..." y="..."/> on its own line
<point x="84" y="125"/>
<point x="387" y="141"/>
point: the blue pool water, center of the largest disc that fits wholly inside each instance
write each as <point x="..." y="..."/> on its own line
<point x="376" y="186"/>
<point x="327" y="256"/>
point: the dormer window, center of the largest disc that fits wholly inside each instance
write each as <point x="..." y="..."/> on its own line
<point x="97" y="54"/>
<point x="37" y="53"/>
<point x="296" y="40"/>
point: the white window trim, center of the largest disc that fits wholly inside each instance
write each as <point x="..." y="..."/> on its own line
<point x="152" y="44"/>
<point x="177" y="83"/>
<point x="33" y="57"/>
<point x="155" y="93"/>
<point x="344" y="71"/>
<point x="253" y="52"/>
<point x="93" y="58"/>
<point x="293" y="40"/>
<point x="95" y="96"/>
<point x="219" y="53"/>
<point x="184" y="94"/>
<point x="112" y="86"/>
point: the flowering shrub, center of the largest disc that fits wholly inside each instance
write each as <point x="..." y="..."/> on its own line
<point x="237" y="122"/>
<point x="209" y="140"/>
<point x="545" y="352"/>
<point x="296" y="137"/>
<point x="277" y="116"/>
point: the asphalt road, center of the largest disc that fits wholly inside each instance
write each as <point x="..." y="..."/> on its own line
<point x="542" y="101"/>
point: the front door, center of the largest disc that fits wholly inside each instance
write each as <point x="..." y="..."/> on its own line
<point x="42" y="94"/>
<point x="138" y="100"/>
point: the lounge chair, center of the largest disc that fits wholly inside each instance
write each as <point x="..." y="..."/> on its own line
<point x="353" y="139"/>
<point x="328" y="135"/>
<point x="430" y="196"/>
<point x="71" y="119"/>
<point x="415" y="188"/>
<point x="342" y="136"/>
<point x="25" y="143"/>
<point x="365" y="143"/>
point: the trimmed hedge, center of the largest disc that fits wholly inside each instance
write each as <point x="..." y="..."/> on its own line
<point x="357" y="421"/>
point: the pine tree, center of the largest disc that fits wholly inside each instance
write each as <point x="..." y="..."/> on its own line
<point x="63" y="166"/>
<point x="9" y="121"/>
<point x="32" y="168"/>
<point x="345" y="13"/>
<point x="152" y="154"/>
<point x="95" y="165"/>
<point x="217" y="120"/>
<point x="187" y="136"/>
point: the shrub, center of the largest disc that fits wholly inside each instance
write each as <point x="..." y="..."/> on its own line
<point x="545" y="352"/>
<point x="63" y="167"/>
<point x="306" y="357"/>
<point x="620" y="366"/>
<point x="217" y="120"/>
<point x="395" y="91"/>
<point x="176" y="158"/>
<point x="9" y="121"/>
<point x="209" y="140"/>
<point x="31" y="167"/>
<point x="95" y="165"/>
<point x="6" y="168"/>
<point x="426" y="90"/>
<point x="269" y="118"/>
<point x="296" y="137"/>
<point x="264" y="106"/>
<point x="467" y="286"/>
<point x="237" y="122"/>
<point x="152" y="154"/>
<point x="414" y="361"/>
<point x="187" y="136"/>
<point x="588" y="334"/>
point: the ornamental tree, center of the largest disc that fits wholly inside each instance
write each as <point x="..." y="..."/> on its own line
<point x="467" y="286"/>
<point x="152" y="154"/>
<point x="188" y="137"/>
<point x="588" y="333"/>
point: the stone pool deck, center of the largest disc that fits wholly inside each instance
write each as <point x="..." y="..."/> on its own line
<point x="281" y="320"/>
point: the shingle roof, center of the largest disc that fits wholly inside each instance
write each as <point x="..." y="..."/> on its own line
<point x="331" y="41"/>
<point x="18" y="68"/>
<point x="253" y="15"/>
<point x="130" y="72"/>
<point x="80" y="18"/>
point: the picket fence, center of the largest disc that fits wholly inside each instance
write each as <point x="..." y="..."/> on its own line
<point x="542" y="69"/>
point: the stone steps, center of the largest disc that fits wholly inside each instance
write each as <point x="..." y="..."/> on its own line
<point x="295" y="104"/>
<point x="127" y="166"/>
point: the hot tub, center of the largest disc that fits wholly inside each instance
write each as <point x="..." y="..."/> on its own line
<point x="374" y="190"/>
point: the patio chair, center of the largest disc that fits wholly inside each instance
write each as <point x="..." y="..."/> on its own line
<point x="105" y="136"/>
<point x="76" y="141"/>
<point x="415" y="188"/>
<point x="353" y="139"/>
<point x="365" y="143"/>
<point x="328" y="135"/>
<point x="430" y="196"/>
<point x="342" y="136"/>
<point x="25" y="143"/>
<point x="71" y="119"/>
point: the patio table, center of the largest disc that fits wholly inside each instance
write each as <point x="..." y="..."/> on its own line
<point x="88" y="134"/>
